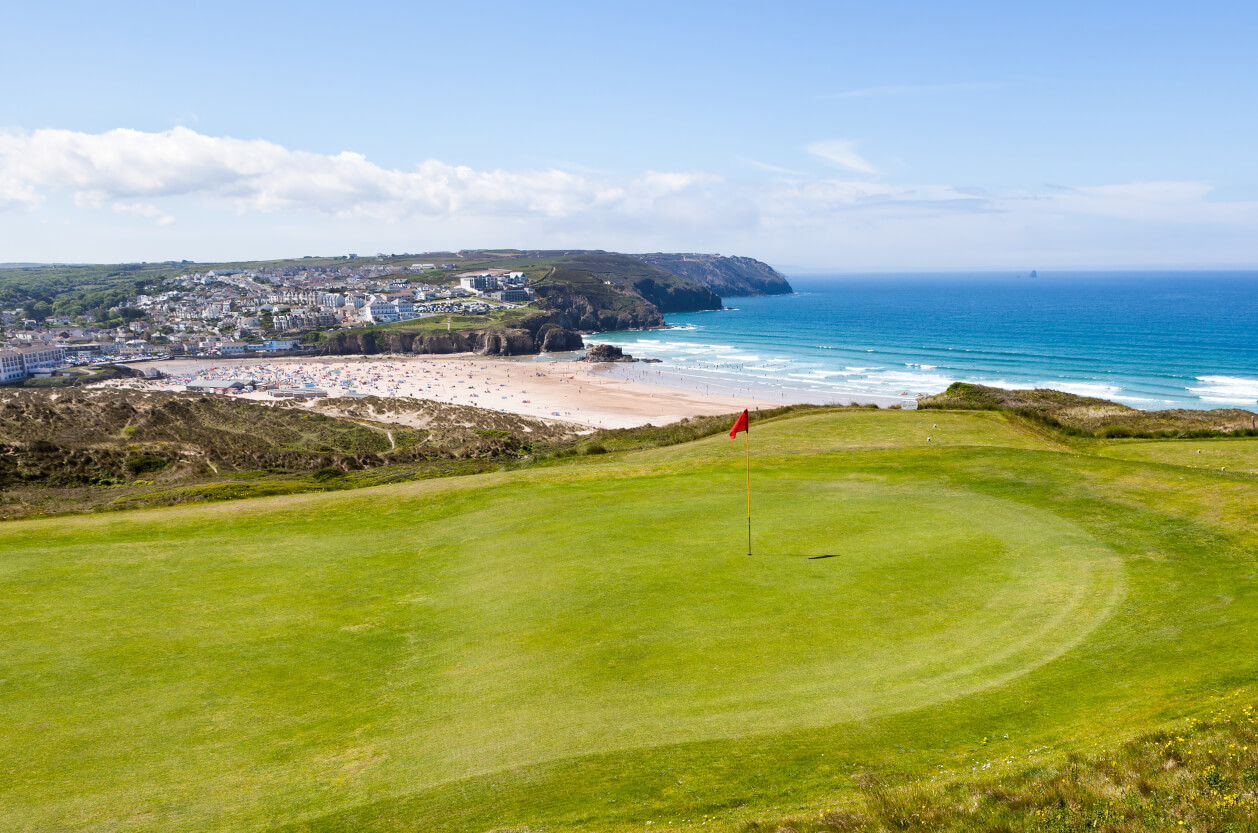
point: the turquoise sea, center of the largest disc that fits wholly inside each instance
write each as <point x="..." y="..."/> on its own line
<point x="1148" y="339"/>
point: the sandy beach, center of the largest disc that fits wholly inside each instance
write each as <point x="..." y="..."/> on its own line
<point x="586" y="394"/>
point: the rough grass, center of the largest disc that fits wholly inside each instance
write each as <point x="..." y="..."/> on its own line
<point x="83" y="450"/>
<point x="1082" y="416"/>
<point x="1202" y="776"/>
<point x="587" y="646"/>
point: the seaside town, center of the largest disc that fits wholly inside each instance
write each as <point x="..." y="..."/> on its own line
<point x="235" y="312"/>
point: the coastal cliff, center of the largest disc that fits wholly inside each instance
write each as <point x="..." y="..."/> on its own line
<point x="542" y="333"/>
<point x="619" y="292"/>
<point x="726" y="276"/>
<point x="578" y="292"/>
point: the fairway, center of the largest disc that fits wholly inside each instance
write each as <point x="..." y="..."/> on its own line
<point x="588" y="646"/>
<point x="1238" y="455"/>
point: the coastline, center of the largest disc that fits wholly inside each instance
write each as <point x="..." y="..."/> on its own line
<point x="1152" y="341"/>
<point x="676" y="379"/>
<point x="562" y="390"/>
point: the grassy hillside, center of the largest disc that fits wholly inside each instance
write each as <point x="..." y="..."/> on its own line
<point x="727" y="276"/>
<point x="1084" y="416"/>
<point x="91" y="449"/>
<point x="588" y="646"/>
<point x="614" y="290"/>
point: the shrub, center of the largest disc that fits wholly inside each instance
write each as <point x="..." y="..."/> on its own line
<point x="141" y="463"/>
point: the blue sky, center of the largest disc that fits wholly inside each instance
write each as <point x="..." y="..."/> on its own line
<point x="823" y="136"/>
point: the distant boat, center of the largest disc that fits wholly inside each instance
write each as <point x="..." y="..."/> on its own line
<point x="1033" y="274"/>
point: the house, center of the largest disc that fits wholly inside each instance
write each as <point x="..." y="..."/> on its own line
<point x="379" y="310"/>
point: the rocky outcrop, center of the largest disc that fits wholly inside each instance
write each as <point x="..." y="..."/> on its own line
<point x="726" y="276"/>
<point x="607" y="353"/>
<point x="507" y="343"/>
<point x="556" y="339"/>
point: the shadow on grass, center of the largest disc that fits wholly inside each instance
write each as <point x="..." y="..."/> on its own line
<point x="793" y="555"/>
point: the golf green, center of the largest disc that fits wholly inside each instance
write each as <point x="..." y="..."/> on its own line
<point x="589" y="646"/>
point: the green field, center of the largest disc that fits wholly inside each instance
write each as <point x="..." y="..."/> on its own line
<point x="442" y="323"/>
<point x="587" y="646"/>
<point x="1235" y="455"/>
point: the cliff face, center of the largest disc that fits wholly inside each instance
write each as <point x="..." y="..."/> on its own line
<point x="602" y="291"/>
<point x="578" y="308"/>
<point x="671" y="297"/>
<point x="726" y="276"/>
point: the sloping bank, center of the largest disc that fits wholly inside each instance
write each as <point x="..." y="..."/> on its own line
<point x="535" y="334"/>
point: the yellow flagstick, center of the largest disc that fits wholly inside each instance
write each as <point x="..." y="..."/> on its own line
<point x="743" y="423"/>
<point x="748" y="438"/>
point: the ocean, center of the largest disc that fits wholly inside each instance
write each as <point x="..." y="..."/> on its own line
<point x="1147" y="339"/>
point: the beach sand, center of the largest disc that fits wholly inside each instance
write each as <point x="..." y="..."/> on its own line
<point x="582" y="393"/>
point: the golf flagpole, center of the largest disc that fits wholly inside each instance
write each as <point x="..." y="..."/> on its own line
<point x="740" y="424"/>
<point x="748" y="445"/>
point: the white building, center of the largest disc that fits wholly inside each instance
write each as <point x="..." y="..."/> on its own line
<point x="485" y="282"/>
<point x="379" y="310"/>
<point x="17" y="363"/>
<point x="11" y="368"/>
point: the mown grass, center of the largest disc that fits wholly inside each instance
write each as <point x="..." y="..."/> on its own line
<point x="1234" y="455"/>
<point x="587" y="646"/>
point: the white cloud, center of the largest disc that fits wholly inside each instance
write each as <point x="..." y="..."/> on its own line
<point x="256" y="175"/>
<point x="144" y="210"/>
<point x="842" y="153"/>
<point x="16" y="195"/>
<point x="259" y="198"/>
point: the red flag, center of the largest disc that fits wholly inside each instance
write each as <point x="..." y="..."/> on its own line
<point x="739" y="425"/>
